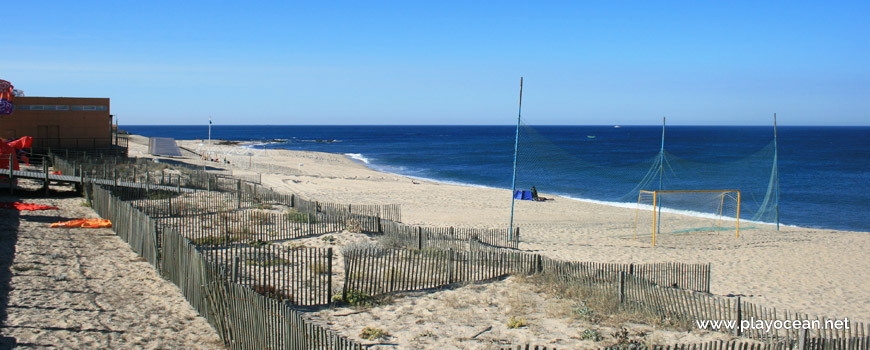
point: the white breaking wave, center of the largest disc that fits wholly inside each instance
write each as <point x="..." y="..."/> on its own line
<point x="358" y="156"/>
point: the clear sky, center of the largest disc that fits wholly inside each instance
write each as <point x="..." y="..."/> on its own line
<point x="448" y="62"/>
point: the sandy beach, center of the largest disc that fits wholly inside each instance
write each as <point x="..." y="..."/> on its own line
<point x="813" y="271"/>
<point x="85" y="288"/>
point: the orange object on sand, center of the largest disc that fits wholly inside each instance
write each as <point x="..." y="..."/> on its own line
<point x="85" y="223"/>
<point x="25" y="206"/>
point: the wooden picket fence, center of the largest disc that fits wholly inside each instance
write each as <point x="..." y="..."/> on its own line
<point x="422" y="237"/>
<point x="245" y="317"/>
<point x="235" y="191"/>
<point x="374" y="270"/>
<point x="694" y="277"/>
<point x="133" y="226"/>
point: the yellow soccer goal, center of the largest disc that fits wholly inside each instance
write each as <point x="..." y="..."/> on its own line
<point x="663" y="213"/>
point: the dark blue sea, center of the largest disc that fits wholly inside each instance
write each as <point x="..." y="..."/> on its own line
<point x="824" y="172"/>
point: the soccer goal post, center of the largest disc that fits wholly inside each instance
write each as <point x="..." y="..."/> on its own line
<point x="661" y="213"/>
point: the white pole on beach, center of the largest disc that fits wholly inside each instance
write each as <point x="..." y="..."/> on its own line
<point x="209" y="131"/>
<point x="516" y="148"/>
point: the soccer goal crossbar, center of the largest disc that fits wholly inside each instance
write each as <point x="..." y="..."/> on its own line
<point x="716" y="206"/>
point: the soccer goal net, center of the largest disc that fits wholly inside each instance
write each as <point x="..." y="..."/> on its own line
<point x="661" y="214"/>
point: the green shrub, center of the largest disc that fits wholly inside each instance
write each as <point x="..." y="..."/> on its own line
<point x="516" y="322"/>
<point x="263" y="206"/>
<point x="370" y="333"/>
<point x="294" y="215"/>
<point x="354" y="298"/>
<point x="591" y="334"/>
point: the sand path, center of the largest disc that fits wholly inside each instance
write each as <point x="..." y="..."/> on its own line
<point x="85" y="288"/>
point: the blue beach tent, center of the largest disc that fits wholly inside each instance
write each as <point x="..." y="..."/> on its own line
<point x="523" y="195"/>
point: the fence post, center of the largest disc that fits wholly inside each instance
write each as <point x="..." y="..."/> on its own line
<point x="539" y="263"/>
<point x="419" y="238"/>
<point x="308" y="220"/>
<point x="621" y="287"/>
<point x="236" y="269"/>
<point x="802" y="339"/>
<point x="739" y="317"/>
<point x="450" y="266"/>
<point x="329" y="275"/>
<point x="239" y="191"/>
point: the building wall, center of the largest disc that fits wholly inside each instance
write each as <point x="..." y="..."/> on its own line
<point x="60" y="122"/>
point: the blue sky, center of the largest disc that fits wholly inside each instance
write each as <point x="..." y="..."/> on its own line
<point x="445" y="62"/>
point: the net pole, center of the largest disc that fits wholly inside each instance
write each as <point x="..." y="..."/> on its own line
<point x="662" y="156"/>
<point x="661" y="171"/>
<point x="516" y="149"/>
<point x="776" y="171"/>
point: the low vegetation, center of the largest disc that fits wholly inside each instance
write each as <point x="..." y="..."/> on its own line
<point x="294" y="215"/>
<point x="516" y="322"/>
<point x="370" y="333"/>
<point x="272" y="292"/>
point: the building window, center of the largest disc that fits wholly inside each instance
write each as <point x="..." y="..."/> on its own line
<point x="42" y="107"/>
<point x="90" y="108"/>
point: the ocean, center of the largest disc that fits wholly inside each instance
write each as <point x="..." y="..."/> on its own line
<point x="824" y="172"/>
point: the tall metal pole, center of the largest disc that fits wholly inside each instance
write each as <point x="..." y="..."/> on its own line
<point x="209" y="130"/>
<point x="661" y="176"/>
<point x="662" y="156"/>
<point x="516" y="149"/>
<point x="776" y="170"/>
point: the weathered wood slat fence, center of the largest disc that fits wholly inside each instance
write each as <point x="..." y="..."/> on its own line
<point x="244" y="317"/>
<point x="422" y="237"/>
<point x="375" y="270"/>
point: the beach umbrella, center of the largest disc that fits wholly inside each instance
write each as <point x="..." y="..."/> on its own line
<point x="6" y="97"/>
